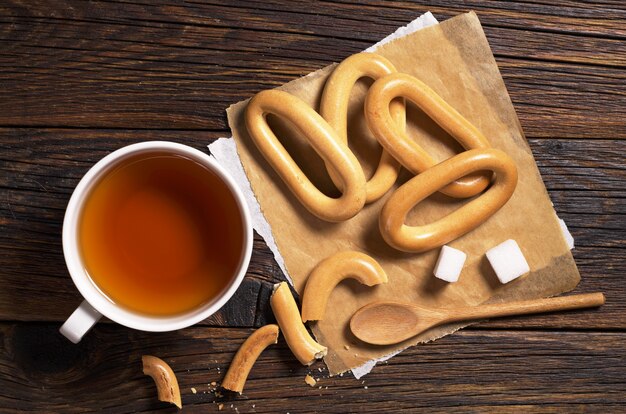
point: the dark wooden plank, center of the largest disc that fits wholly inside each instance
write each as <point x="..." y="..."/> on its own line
<point x="178" y="66"/>
<point x="566" y="101"/>
<point x="602" y="18"/>
<point x="469" y="371"/>
<point x="336" y="18"/>
<point x="39" y="169"/>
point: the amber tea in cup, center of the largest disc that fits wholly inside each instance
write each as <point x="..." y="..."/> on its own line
<point x="160" y="234"/>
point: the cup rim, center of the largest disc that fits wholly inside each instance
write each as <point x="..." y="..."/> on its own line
<point x="89" y="290"/>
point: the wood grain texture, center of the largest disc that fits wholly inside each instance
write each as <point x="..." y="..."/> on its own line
<point x="161" y="65"/>
<point x="81" y="79"/>
<point x="469" y="371"/>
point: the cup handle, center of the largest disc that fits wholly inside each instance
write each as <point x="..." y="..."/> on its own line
<point x="80" y="322"/>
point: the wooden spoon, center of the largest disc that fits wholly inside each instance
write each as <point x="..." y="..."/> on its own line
<point x="386" y="323"/>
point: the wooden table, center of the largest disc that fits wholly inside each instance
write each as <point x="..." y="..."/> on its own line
<point x="81" y="79"/>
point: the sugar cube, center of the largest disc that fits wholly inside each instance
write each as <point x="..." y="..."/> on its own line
<point x="567" y="235"/>
<point x="508" y="261"/>
<point x="449" y="264"/>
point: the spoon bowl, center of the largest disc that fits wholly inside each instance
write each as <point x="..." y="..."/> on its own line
<point x="387" y="323"/>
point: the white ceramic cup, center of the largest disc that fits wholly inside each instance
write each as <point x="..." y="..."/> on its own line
<point x="96" y="304"/>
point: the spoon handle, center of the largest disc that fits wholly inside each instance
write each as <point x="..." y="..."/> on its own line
<point x="588" y="300"/>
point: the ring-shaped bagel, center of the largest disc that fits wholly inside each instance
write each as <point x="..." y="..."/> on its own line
<point x="324" y="141"/>
<point x="406" y="150"/>
<point x="461" y="221"/>
<point x="334" y="109"/>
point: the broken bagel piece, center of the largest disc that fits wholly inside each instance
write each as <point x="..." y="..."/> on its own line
<point x="303" y="346"/>
<point x="164" y="378"/>
<point x="247" y="355"/>
<point x="332" y="270"/>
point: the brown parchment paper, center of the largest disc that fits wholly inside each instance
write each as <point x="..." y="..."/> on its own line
<point x="454" y="59"/>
